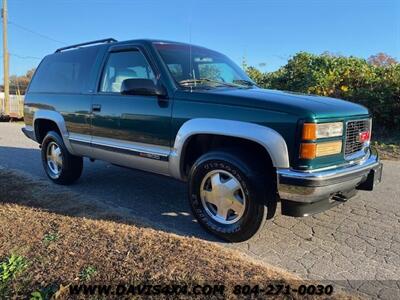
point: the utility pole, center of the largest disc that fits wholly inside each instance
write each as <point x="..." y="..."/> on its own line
<point x="5" y="60"/>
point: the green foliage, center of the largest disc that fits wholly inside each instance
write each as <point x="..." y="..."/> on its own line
<point x="210" y="71"/>
<point x="44" y="293"/>
<point x="87" y="273"/>
<point x="10" y="268"/>
<point x="372" y="85"/>
<point x="37" y="295"/>
<point x="260" y="78"/>
<point x="50" y="237"/>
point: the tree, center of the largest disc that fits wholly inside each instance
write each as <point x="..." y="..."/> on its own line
<point x="19" y="84"/>
<point x="382" y="60"/>
<point x="210" y="71"/>
<point x="255" y="74"/>
<point x="374" y="86"/>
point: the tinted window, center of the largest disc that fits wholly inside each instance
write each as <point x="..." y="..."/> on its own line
<point x="64" y="72"/>
<point x="124" y="65"/>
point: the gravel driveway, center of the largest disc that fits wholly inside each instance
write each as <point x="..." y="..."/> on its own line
<point x="356" y="243"/>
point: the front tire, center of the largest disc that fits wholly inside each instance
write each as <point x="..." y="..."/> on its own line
<point x="60" y="166"/>
<point x="227" y="194"/>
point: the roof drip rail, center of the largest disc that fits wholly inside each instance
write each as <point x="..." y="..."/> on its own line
<point x="109" y="40"/>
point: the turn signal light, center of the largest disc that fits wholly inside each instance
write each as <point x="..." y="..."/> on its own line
<point x="308" y="150"/>
<point x="309" y="131"/>
<point x="313" y="150"/>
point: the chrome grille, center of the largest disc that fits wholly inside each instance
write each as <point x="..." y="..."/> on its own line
<point x="353" y="130"/>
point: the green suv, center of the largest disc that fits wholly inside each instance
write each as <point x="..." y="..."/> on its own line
<point x="190" y="113"/>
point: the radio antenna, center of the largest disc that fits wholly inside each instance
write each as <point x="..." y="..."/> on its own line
<point x="192" y="73"/>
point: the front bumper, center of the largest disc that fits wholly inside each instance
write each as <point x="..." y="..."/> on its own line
<point x="307" y="192"/>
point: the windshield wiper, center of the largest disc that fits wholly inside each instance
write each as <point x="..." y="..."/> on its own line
<point x="244" y="82"/>
<point x="207" y="80"/>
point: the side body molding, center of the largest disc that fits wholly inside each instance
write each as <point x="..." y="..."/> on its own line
<point x="56" y="117"/>
<point x="271" y="140"/>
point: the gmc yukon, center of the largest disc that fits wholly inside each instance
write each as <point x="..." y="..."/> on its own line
<point x="191" y="113"/>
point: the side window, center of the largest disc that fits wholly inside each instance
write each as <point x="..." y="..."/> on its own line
<point x="124" y="65"/>
<point x="64" y="72"/>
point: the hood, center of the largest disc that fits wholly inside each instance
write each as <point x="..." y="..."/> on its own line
<point x="308" y="106"/>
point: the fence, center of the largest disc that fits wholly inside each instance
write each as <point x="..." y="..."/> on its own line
<point x="16" y="108"/>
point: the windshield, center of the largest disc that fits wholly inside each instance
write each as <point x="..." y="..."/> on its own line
<point x="198" y="67"/>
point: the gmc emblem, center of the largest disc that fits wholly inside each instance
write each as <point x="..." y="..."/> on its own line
<point x="363" y="136"/>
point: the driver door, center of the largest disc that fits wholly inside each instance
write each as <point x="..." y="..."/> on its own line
<point x="130" y="130"/>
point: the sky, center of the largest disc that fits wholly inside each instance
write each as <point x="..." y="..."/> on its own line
<point x="266" y="32"/>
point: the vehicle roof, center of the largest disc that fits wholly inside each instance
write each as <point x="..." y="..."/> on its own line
<point x="150" y="41"/>
<point x="116" y="43"/>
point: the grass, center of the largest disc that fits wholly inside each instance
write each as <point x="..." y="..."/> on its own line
<point x="87" y="273"/>
<point x="61" y="240"/>
<point x="389" y="151"/>
<point x="45" y="293"/>
<point x="387" y="143"/>
<point x="50" y="237"/>
<point x="10" y="269"/>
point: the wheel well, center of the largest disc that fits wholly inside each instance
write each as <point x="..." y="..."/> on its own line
<point x="42" y="127"/>
<point x="203" y="143"/>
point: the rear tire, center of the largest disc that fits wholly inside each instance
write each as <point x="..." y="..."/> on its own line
<point x="60" y="166"/>
<point x="213" y="179"/>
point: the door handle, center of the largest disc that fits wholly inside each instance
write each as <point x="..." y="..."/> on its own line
<point x="96" y="107"/>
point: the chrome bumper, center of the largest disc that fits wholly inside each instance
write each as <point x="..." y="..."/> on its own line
<point x="313" y="186"/>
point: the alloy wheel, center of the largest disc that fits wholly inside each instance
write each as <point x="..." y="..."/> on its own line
<point x="222" y="197"/>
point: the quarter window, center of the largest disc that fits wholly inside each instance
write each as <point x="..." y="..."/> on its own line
<point x="64" y="72"/>
<point x="124" y="65"/>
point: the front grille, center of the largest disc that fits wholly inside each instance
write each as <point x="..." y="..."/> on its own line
<point x="353" y="130"/>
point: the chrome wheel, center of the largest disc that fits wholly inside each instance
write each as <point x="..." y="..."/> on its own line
<point x="222" y="197"/>
<point x="54" y="159"/>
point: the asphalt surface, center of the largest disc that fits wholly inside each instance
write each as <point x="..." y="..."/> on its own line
<point x="356" y="243"/>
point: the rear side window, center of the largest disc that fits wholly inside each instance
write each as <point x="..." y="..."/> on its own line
<point x="64" y="72"/>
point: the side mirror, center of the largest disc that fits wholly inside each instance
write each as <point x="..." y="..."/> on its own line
<point x="145" y="87"/>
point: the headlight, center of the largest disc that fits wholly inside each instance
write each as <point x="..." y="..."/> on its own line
<point x="313" y="131"/>
<point x="325" y="130"/>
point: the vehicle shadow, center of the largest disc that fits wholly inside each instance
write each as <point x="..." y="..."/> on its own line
<point x="143" y="198"/>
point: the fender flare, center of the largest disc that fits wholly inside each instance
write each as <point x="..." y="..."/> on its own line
<point x="56" y="117"/>
<point x="270" y="139"/>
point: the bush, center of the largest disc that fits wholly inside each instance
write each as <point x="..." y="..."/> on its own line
<point x="350" y="78"/>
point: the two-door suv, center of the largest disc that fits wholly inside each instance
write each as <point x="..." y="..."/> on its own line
<point x="190" y="113"/>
